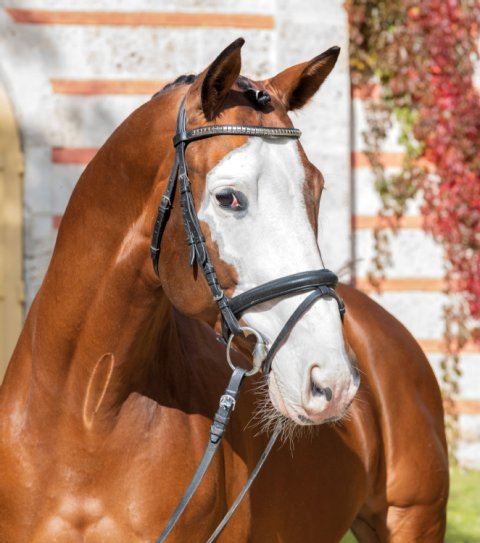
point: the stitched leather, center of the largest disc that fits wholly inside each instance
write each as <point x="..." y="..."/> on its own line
<point x="248" y="484"/>
<point x="285" y="286"/>
<point x="186" y="136"/>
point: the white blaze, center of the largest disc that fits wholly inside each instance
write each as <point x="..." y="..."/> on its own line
<point x="271" y="239"/>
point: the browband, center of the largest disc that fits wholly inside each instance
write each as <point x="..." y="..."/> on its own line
<point x="235" y="130"/>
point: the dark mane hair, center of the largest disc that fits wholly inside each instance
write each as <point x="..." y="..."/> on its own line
<point x="258" y="97"/>
<point x="185" y="79"/>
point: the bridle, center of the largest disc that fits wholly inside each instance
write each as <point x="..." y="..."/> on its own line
<point x="231" y="309"/>
<point x="320" y="283"/>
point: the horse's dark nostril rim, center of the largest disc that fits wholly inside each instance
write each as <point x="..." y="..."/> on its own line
<point x="355" y="376"/>
<point x="322" y="391"/>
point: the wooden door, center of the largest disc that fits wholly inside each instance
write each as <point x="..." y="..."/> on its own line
<point x="11" y="243"/>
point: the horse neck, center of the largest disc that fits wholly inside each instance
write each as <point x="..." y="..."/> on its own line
<point x="99" y="322"/>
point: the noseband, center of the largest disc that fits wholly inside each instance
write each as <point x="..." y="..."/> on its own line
<point x="320" y="283"/>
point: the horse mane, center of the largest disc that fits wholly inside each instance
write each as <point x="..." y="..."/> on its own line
<point x="187" y="79"/>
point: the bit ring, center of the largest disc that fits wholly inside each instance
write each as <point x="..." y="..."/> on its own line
<point x="257" y="359"/>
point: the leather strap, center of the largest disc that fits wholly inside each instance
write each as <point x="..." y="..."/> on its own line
<point x="195" y="238"/>
<point x="217" y="430"/>
<point x="285" y="286"/>
<point x="292" y="321"/>
<point x="163" y="214"/>
<point x="248" y="484"/>
<point x="222" y="417"/>
<point x="180" y="141"/>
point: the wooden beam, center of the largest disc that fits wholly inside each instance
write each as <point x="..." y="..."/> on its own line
<point x="366" y="222"/>
<point x="388" y="159"/>
<point x="73" y="155"/>
<point x="142" y="18"/>
<point x="438" y="346"/>
<point x="91" y="87"/>
<point x="403" y="284"/>
<point x="56" y="220"/>
<point x="11" y="237"/>
<point x="467" y="407"/>
<point x="366" y="92"/>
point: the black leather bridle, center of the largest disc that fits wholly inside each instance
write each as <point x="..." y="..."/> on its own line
<point x="320" y="283"/>
<point x="231" y="309"/>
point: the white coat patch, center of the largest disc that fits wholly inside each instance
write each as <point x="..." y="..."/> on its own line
<point x="271" y="239"/>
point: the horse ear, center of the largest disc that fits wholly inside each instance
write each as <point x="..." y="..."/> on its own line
<point x="219" y="77"/>
<point x="297" y="84"/>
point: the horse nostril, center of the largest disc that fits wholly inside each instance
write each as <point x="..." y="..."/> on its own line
<point x="322" y="391"/>
<point x="355" y="376"/>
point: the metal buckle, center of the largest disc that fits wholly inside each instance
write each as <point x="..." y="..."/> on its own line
<point x="259" y="351"/>
<point x="218" y="297"/>
<point x="227" y="401"/>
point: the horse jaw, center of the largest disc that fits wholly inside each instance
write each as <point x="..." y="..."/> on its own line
<point x="312" y="380"/>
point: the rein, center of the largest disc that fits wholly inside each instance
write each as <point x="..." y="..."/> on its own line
<point x="321" y="283"/>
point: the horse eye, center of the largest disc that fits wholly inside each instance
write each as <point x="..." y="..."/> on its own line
<point x="231" y="199"/>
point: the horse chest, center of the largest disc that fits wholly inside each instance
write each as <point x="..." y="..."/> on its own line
<point x="120" y="487"/>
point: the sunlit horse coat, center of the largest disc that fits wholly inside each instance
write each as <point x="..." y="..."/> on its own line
<point x="107" y="402"/>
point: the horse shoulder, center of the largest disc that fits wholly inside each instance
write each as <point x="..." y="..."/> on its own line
<point x="399" y="383"/>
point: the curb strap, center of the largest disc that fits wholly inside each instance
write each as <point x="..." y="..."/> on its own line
<point x="248" y="484"/>
<point x="217" y="430"/>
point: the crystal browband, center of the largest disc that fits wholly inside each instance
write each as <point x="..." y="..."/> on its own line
<point x="236" y="130"/>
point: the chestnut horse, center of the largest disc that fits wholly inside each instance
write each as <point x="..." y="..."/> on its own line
<point x="107" y="402"/>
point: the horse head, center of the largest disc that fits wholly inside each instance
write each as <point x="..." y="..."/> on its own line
<point x="257" y="201"/>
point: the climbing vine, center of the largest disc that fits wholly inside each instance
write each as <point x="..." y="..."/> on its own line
<point x="419" y="55"/>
